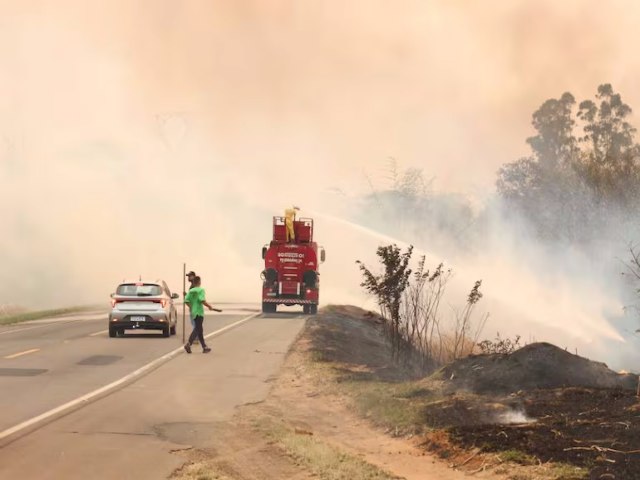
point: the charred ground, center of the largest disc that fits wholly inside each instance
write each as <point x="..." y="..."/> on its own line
<point x="538" y="406"/>
<point x="593" y="428"/>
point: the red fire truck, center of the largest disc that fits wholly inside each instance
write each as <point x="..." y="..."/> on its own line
<point x="290" y="275"/>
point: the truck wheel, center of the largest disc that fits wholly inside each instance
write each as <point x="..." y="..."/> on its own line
<point x="313" y="309"/>
<point x="306" y="309"/>
<point x="112" y="332"/>
<point x="269" y="307"/>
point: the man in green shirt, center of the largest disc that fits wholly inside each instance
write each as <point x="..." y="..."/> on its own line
<point x="196" y="301"/>
<point x="190" y="276"/>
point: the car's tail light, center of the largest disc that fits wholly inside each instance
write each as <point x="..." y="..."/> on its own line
<point x="162" y="302"/>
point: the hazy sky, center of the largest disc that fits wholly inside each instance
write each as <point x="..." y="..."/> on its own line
<point x="137" y="134"/>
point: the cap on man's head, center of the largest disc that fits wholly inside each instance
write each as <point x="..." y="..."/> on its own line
<point x="191" y="274"/>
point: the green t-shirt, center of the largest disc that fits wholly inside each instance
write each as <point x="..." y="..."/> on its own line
<point x="195" y="297"/>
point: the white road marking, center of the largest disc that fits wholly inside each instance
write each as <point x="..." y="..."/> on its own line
<point x="99" y="333"/>
<point x="85" y="399"/>
<point x="26" y="352"/>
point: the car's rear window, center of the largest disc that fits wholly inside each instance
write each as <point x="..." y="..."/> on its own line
<point x="139" y="289"/>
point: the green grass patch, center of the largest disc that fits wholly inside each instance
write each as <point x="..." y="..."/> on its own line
<point x="40" y="314"/>
<point x="563" y="471"/>
<point x="516" y="456"/>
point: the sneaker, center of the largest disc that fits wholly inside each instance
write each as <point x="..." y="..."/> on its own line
<point x="187" y="348"/>
<point x="206" y="350"/>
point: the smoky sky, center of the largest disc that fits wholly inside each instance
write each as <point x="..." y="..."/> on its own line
<point x="326" y="87"/>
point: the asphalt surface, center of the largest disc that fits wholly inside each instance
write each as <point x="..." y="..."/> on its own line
<point x="129" y="433"/>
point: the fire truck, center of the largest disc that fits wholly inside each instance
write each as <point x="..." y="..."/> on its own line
<point x="290" y="275"/>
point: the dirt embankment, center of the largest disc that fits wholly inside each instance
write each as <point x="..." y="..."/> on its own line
<point x="534" y="366"/>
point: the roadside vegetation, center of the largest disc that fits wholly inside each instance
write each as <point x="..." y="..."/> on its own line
<point x="410" y="309"/>
<point x="40" y="314"/>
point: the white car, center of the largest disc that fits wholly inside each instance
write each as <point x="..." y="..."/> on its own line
<point x="143" y="305"/>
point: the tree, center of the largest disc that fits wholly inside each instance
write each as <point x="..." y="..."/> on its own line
<point x="518" y="181"/>
<point x="542" y="182"/>
<point x="388" y="287"/>
<point x="609" y="135"/>
<point x="610" y="163"/>
<point x="554" y="145"/>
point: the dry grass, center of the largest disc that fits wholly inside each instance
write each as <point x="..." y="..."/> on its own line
<point x="40" y="314"/>
<point x="198" y="471"/>
<point x="325" y="461"/>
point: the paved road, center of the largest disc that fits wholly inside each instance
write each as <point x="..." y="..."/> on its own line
<point x="44" y="365"/>
<point x="130" y="433"/>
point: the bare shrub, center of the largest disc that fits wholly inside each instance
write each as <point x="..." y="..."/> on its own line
<point x="388" y="287"/>
<point x="466" y="332"/>
<point x="500" y="345"/>
<point x="410" y="304"/>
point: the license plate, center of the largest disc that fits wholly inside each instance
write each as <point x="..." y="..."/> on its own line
<point x="138" y="319"/>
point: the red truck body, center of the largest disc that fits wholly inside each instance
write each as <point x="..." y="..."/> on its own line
<point x="290" y="275"/>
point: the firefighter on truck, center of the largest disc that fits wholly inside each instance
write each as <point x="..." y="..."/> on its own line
<point x="289" y="218"/>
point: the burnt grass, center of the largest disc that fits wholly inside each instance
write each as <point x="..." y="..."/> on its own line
<point x="598" y="429"/>
<point x="570" y="409"/>
<point x="582" y="412"/>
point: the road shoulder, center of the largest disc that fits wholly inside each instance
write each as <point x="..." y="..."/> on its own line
<point x="307" y="428"/>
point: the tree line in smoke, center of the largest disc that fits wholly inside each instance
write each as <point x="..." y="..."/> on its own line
<point x="582" y="175"/>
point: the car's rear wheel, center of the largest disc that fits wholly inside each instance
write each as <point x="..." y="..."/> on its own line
<point x="166" y="331"/>
<point x="112" y="332"/>
<point x="172" y="330"/>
